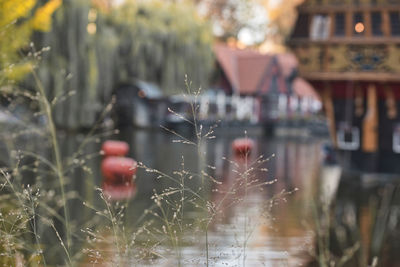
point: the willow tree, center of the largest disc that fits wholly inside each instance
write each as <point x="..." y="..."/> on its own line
<point x="94" y="48"/>
<point x="78" y="72"/>
<point x="162" y="42"/>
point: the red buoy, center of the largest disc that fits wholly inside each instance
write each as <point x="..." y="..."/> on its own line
<point x="115" y="148"/>
<point x="118" y="170"/>
<point x="242" y="146"/>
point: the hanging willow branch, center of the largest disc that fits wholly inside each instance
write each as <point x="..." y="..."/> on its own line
<point x="154" y="41"/>
<point x="162" y="42"/>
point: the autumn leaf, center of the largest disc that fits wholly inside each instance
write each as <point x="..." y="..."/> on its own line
<point x="42" y="19"/>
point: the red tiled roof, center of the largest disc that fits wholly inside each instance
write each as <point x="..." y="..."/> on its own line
<point x="302" y="88"/>
<point x="245" y="69"/>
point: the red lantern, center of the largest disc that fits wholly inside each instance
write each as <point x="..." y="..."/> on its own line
<point x="242" y="146"/>
<point x="118" y="170"/>
<point x="115" y="148"/>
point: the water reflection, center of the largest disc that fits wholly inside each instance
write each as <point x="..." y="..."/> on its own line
<point x="276" y="233"/>
<point x="279" y="234"/>
<point x="367" y="220"/>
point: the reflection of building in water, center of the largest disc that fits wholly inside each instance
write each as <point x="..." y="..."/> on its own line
<point x="349" y="51"/>
<point x="278" y="235"/>
<point x="296" y="163"/>
<point x="297" y="167"/>
<point x="371" y="218"/>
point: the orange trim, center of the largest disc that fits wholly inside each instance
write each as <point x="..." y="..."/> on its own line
<point x="370" y="123"/>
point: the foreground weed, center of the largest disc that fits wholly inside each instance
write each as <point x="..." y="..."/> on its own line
<point x="191" y="191"/>
<point x="182" y="213"/>
<point x="36" y="179"/>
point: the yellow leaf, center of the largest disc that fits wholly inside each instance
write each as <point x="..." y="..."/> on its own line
<point x="42" y="19"/>
<point x="17" y="71"/>
<point x="12" y="10"/>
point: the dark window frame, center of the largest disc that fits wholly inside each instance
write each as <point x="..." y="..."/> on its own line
<point x="394" y="23"/>
<point x="302" y="27"/>
<point x="340" y="18"/>
<point x="376" y="23"/>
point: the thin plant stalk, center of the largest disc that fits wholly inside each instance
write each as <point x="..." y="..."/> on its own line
<point x="35" y="232"/>
<point x="56" y="151"/>
<point x="207" y="243"/>
<point x="244" y="201"/>
<point x="33" y="224"/>
<point x="115" y="231"/>
<point x="198" y="132"/>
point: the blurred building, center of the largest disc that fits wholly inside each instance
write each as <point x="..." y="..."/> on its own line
<point x="248" y="72"/>
<point x="270" y="79"/>
<point x="350" y="52"/>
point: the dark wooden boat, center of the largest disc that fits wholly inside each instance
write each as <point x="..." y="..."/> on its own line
<point x="350" y="52"/>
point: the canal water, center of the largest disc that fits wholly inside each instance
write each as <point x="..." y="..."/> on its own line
<point x="275" y="217"/>
<point x="203" y="204"/>
<point x="282" y="205"/>
<point x="294" y="209"/>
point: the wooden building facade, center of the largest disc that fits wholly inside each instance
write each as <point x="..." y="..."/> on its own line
<point x="350" y="52"/>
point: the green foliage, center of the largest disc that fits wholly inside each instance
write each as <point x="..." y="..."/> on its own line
<point x="78" y="72"/>
<point x="93" y="50"/>
<point x="162" y="42"/>
<point x="18" y="20"/>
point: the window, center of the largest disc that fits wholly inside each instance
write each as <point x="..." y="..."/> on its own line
<point x="358" y="21"/>
<point x="302" y="26"/>
<point x="320" y="27"/>
<point x="348" y="137"/>
<point x="376" y="19"/>
<point x="340" y="24"/>
<point x="395" y="23"/>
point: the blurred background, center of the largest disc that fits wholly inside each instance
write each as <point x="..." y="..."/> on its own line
<point x="312" y="85"/>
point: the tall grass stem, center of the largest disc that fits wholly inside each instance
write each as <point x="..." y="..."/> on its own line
<point x="56" y="151"/>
